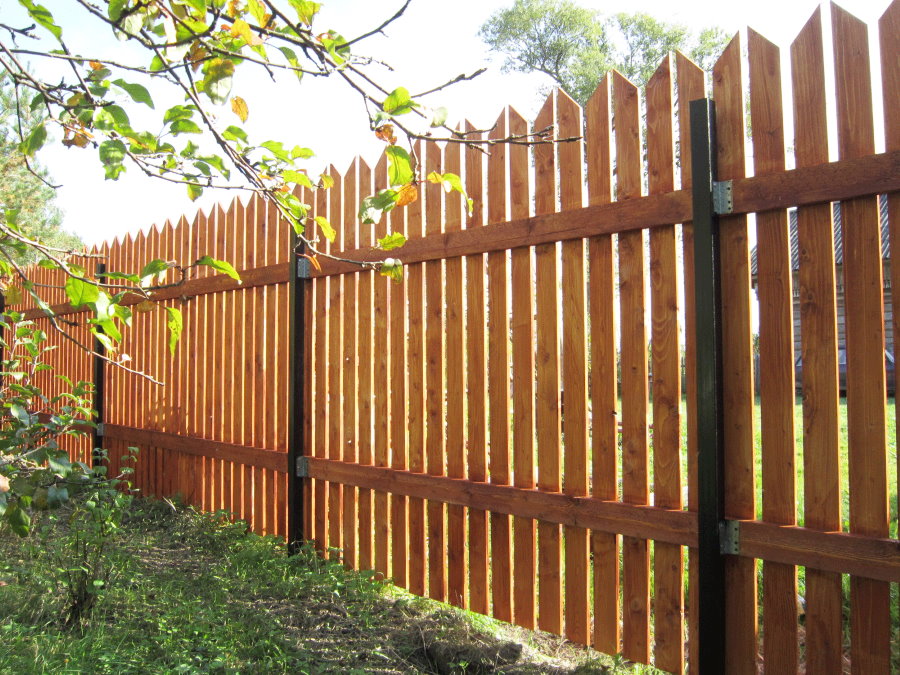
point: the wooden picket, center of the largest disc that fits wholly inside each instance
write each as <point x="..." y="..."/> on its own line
<point x="502" y="430"/>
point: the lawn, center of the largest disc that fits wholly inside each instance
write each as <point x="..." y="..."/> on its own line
<point x="195" y="593"/>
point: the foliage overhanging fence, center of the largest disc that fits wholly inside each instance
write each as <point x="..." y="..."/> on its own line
<point x="481" y="432"/>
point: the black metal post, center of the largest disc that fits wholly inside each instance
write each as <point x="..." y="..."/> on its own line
<point x="296" y="401"/>
<point x="99" y="392"/>
<point x="710" y="438"/>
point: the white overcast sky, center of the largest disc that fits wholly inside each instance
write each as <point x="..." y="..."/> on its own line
<point x="431" y="43"/>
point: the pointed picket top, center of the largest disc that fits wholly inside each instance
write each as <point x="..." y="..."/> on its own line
<point x="766" y="113"/>
<point x="453" y="205"/>
<point x="728" y="93"/>
<point x="853" y="85"/>
<point x="889" y="34"/>
<point x="569" y="125"/>
<point x="659" y="95"/>
<point x="545" y="158"/>
<point x="434" y="194"/>
<point x="598" y="135"/>
<point x="475" y="177"/>
<point x="410" y="219"/>
<point x="347" y="222"/>
<point x="364" y="189"/>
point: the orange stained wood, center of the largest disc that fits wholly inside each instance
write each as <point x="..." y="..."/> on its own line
<point x="403" y="449"/>
<point x="476" y="367"/>
<point x="366" y="398"/>
<point x="456" y="385"/>
<point x="418" y="411"/>
<point x="335" y="372"/>
<point x="604" y="380"/>
<point x="574" y="369"/>
<point x="435" y="433"/>
<point x="322" y="382"/>
<point x="348" y="364"/>
<point x="547" y="402"/>
<point x="776" y="340"/>
<point x="498" y="375"/>
<point x="522" y="325"/>
<point x="394" y="422"/>
<point x="741" y="633"/>
<point x="635" y="466"/>
<point x="870" y="631"/>
<point x="668" y="567"/>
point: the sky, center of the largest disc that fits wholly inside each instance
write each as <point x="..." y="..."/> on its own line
<point x="431" y="43"/>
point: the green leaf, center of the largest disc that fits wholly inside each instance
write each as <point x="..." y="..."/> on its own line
<point x="175" y="324"/>
<point x="398" y="102"/>
<point x="112" y="153"/>
<point x="220" y="266"/>
<point x="57" y="496"/>
<point x="34" y="141"/>
<point x="179" y="112"/>
<point x="194" y="191"/>
<point x="234" y="133"/>
<point x="306" y="10"/>
<point x="302" y="153"/>
<point x="19" y="521"/>
<point x="451" y="181"/>
<point x="81" y="292"/>
<point x="115" y="9"/>
<point x="155" y="269"/>
<point x="218" y="74"/>
<point x="42" y="16"/>
<point x="291" y="57"/>
<point x="372" y="208"/>
<point x="392" y="268"/>
<point x="391" y="241"/>
<point x="184" y="126"/>
<point x="298" y="177"/>
<point x="20" y="413"/>
<point x="400" y="171"/>
<point x="326" y="228"/>
<point x="137" y="92"/>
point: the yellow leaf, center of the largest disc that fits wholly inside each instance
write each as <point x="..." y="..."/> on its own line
<point x="239" y="107"/>
<point x="13" y="295"/>
<point x="95" y="65"/>
<point x="242" y="29"/>
<point x="145" y="306"/>
<point x="407" y="194"/>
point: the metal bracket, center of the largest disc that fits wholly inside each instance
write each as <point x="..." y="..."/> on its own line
<point x="302" y="467"/>
<point x="303" y="268"/>
<point x="723" y="202"/>
<point x="101" y="429"/>
<point x="730" y="537"/>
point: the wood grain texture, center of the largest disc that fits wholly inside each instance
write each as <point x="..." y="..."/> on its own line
<point x="321" y="373"/>
<point x="369" y="400"/>
<point x="522" y="290"/>
<point x="547" y="403"/>
<point x="604" y="379"/>
<point x="668" y="566"/>
<point x="740" y="501"/>
<point x="635" y="465"/>
<point x="574" y="370"/>
<point x="385" y="397"/>
<point x="870" y="633"/>
<point x="776" y="357"/>
<point x="435" y="380"/>
<point x="348" y="365"/>
<point x="476" y="368"/>
<point x="456" y="387"/>
<point x="335" y="374"/>
<point x="818" y="333"/>
<point x="498" y="377"/>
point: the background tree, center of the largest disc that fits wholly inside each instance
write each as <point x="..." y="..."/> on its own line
<point x="28" y="187"/>
<point x="576" y="46"/>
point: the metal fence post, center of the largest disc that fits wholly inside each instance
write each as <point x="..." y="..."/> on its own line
<point x="299" y="275"/>
<point x="99" y="392"/>
<point x="710" y="438"/>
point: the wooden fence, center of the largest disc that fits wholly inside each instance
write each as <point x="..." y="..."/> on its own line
<point x="488" y="432"/>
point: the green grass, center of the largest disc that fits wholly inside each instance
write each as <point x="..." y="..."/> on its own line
<point x="197" y="593"/>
